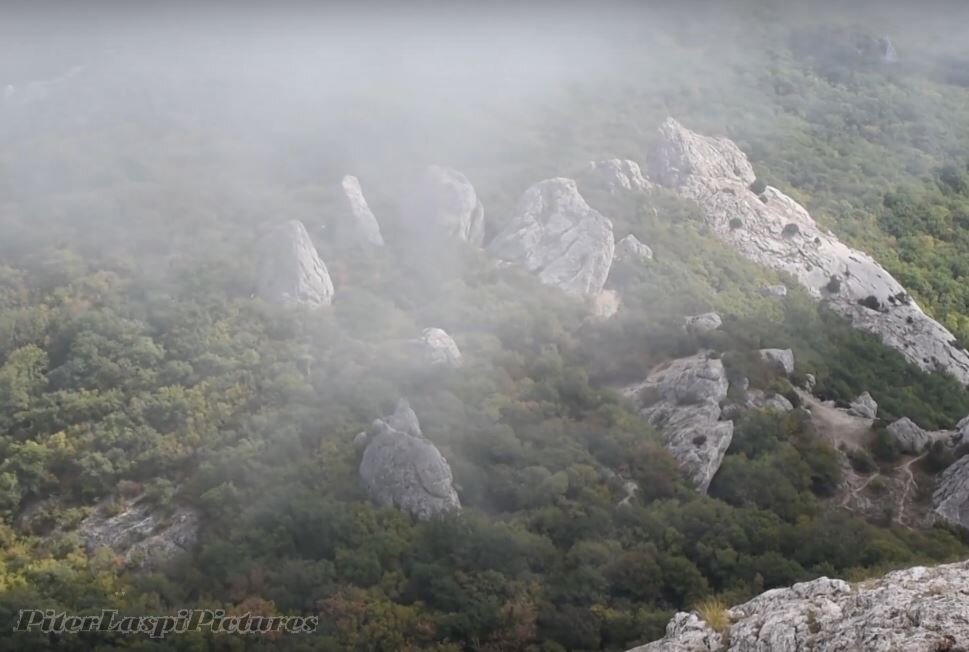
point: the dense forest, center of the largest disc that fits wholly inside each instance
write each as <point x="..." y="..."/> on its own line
<point x="136" y="359"/>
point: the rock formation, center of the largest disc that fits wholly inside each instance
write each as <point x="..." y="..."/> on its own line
<point x="438" y="348"/>
<point x="777" y="291"/>
<point x="682" y="401"/>
<point x="864" y="406"/>
<point x="555" y="234"/>
<point x="758" y="399"/>
<point x="450" y="203"/>
<point x="775" y="231"/>
<point x="362" y="224"/>
<point x="606" y="304"/>
<point x="402" y="469"/>
<point x="916" y="610"/>
<point x="782" y="358"/>
<point x="630" y="248"/>
<point x="140" y="534"/>
<point x="291" y="271"/>
<point x="908" y="437"/>
<point x="708" y="321"/>
<point x="619" y="175"/>
<point x="951" y="496"/>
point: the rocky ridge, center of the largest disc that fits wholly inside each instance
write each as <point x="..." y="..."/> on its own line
<point x="773" y="230"/>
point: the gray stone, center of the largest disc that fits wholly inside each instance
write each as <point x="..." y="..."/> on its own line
<point x="364" y="226"/>
<point x="777" y="232"/>
<point x="864" y="406"/>
<point x="630" y="248"/>
<point x="682" y="400"/>
<point x="555" y="234"/>
<point x="402" y="469"/>
<point x="708" y="321"/>
<point x="775" y="291"/>
<point x="451" y="204"/>
<point x="439" y="348"/>
<point x="291" y="271"/>
<point x="141" y="534"/>
<point x="619" y="175"/>
<point x="760" y="400"/>
<point x="951" y="496"/>
<point x="809" y="382"/>
<point x="783" y="358"/>
<point x="916" y="610"/>
<point x="908" y="437"/>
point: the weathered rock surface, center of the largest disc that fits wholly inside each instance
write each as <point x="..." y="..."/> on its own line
<point x="557" y="235"/>
<point x="951" y="496"/>
<point x="708" y="321"/>
<point x="619" y="175"/>
<point x="402" y="469"/>
<point x="783" y="358"/>
<point x="630" y="248"/>
<point x="141" y="534"/>
<point x="775" y="231"/>
<point x="864" y="406"/>
<point x="908" y="437"/>
<point x="758" y="399"/>
<point x="363" y="225"/>
<point x="450" y="203"/>
<point x="776" y="291"/>
<point x="439" y="348"/>
<point x="916" y="610"/>
<point x="682" y="400"/>
<point x="291" y="271"/>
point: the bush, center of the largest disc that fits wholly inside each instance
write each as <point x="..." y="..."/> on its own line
<point x="861" y="461"/>
<point x="834" y="285"/>
<point x="758" y="186"/>
<point x="790" y="230"/>
<point x="714" y="612"/>
<point x="736" y="223"/>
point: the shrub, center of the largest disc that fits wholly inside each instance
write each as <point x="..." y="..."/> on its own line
<point x="736" y="223"/>
<point x="871" y="302"/>
<point x="790" y="230"/>
<point x="714" y="612"/>
<point x="861" y="461"/>
<point x="758" y="186"/>
<point x="834" y="285"/>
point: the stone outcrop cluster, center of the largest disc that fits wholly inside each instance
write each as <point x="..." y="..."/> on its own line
<point x="917" y="610"/>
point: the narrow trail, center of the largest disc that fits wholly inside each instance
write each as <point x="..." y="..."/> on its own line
<point x="909" y="483"/>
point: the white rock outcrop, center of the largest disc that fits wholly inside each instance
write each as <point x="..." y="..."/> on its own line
<point x="914" y="610"/>
<point x="555" y="234"/>
<point x="951" y="497"/>
<point x="704" y="323"/>
<point x="140" y="534"/>
<point x="402" y="469"/>
<point x="450" y="204"/>
<point x="775" y="231"/>
<point x="619" y="175"/>
<point x="682" y="400"/>
<point x="631" y="248"/>
<point x="782" y="358"/>
<point x="362" y="224"/>
<point x="758" y="399"/>
<point x="908" y="437"/>
<point x="439" y="348"/>
<point x="864" y="406"/>
<point x="290" y="271"/>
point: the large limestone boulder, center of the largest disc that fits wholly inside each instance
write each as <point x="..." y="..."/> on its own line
<point x="361" y="223"/>
<point x="558" y="236"/>
<point x="140" y="534"/>
<point x="775" y="231"/>
<point x="758" y="399"/>
<point x="682" y="400"/>
<point x="704" y="323"/>
<point x="951" y="496"/>
<point x="401" y="468"/>
<point x="438" y="348"/>
<point x="864" y="406"/>
<point x="782" y="358"/>
<point x="618" y="175"/>
<point x="917" y="610"/>
<point x="450" y="204"/>
<point x="908" y="437"/>
<point x="291" y="271"/>
<point x="630" y="248"/>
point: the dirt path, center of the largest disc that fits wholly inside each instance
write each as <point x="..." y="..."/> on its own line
<point x="836" y="426"/>
<point x="909" y="483"/>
